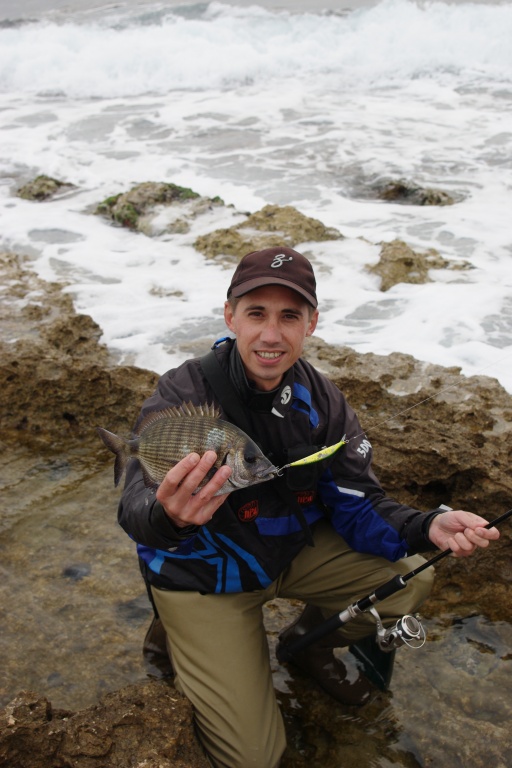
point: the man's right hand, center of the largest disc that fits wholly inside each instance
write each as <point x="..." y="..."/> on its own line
<point x="176" y="491"/>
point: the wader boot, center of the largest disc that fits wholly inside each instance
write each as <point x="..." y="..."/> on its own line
<point x="377" y="664"/>
<point x="319" y="662"/>
<point x="156" y="649"/>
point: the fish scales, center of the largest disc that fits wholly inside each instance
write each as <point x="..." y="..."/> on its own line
<point x="166" y="442"/>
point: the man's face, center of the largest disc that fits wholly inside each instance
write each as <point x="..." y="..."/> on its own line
<point x="270" y="325"/>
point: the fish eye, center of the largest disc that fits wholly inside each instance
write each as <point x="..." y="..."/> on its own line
<point x="250" y="458"/>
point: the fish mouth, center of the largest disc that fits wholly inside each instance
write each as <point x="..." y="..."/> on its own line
<point x="269" y="473"/>
<point x="266" y="474"/>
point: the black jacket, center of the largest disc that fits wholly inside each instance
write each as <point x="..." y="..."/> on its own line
<point x="255" y="534"/>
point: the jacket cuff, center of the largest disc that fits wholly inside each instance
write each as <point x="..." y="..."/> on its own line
<point x="417" y="532"/>
<point x="161" y="522"/>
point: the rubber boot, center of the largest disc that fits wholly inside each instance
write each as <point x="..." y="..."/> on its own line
<point x="319" y="662"/>
<point x="377" y="664"/>
<point x="156" y="649"/>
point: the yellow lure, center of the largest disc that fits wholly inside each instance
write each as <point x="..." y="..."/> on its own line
<point x="324" y="453"/>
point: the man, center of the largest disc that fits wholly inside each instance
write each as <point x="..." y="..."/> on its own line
<point x="326" y="534"/>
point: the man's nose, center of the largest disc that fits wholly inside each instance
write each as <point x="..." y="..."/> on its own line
<point x="271" y="333"/>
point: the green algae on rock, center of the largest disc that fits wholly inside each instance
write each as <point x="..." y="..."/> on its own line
<point x="130" y="208"/>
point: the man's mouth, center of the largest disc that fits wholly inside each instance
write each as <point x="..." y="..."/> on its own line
<point x="269" y="355"/>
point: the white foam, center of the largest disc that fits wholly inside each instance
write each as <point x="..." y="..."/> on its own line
<point x="227" y="47"/>
<point x="265" y="107"/>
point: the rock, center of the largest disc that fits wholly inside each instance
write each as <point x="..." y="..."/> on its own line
<point x="401" y="191"/>
<point x="141" y="206"/>
<point x="398" y="263"/>
<point x="43" y="188"/>
<point x="272" y="226"/>
<point x="142" y="725"/>
<point x="58" y="381"/>
<point x="409" y="193"/>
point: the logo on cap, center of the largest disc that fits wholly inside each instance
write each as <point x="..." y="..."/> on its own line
<point x="279" y="260"/>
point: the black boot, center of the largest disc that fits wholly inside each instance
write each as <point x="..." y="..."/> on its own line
<point x="320" y="663"/>
<point x="377" y="664"/>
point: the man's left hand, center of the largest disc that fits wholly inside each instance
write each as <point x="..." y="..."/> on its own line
<point x="460" y="531"/>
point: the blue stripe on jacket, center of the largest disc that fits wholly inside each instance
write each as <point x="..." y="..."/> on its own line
<point x="286" y="524"/>
<point x="213" y="554"/>
<point x="302" y="402"/>
<point x="355" y="518"/>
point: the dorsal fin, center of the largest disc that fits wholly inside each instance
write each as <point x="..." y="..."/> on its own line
<point x="185" y="410"/>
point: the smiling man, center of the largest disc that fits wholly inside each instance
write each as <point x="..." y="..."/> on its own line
<point x="270" y="325"/>
<point x="324" y="533"/>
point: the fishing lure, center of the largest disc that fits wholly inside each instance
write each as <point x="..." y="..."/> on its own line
<point x="320" y="455"/>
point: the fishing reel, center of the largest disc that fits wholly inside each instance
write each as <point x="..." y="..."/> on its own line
<point x="407" y="631"/>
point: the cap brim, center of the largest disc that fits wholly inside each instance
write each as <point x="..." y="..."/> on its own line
<point x="259" y="282"/>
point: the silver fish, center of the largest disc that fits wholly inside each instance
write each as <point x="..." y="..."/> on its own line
<point x="163" y="438"/>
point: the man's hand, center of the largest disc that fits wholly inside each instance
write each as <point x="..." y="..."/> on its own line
<point x="460" y="531"/>
<point x="176" y="489"/>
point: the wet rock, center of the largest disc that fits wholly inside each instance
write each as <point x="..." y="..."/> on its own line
<point x="401" y="191"/>
<point x="140" y="208"/>
<point x="76" y="572"/>
<point x="409" y="193"/>
<point x="148" y="724"/>
<point x="57" y="380"/>
<point x="272" y="226"/>
<point x="43" y="188"/>
<point x="398" y="263"/>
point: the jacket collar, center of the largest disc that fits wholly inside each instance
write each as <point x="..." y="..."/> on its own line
<point x="277" y="401"/>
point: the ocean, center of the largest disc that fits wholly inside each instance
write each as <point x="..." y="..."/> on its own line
<point x="290" y="103"/>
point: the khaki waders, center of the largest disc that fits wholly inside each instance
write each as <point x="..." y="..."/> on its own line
<point x="220" y="650"/>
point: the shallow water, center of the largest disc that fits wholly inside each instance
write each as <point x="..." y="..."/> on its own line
<point x="75" y="613"/>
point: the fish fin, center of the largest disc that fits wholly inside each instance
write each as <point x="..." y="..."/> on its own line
<point x="185" y="410"/>
<point x="119" y="447"/>
<point x="203" y="409"/>
<point x="148" y="480"/>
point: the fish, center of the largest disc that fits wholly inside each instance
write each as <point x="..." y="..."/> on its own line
<point x="162" y="438"/>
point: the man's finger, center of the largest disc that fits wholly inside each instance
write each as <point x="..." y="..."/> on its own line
<point x="185" y="477"/>
<point x="213" y="485"/>
<point x="198" y="473"/>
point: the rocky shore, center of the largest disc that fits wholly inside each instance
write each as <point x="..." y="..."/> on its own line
<point x="438" y="438"/>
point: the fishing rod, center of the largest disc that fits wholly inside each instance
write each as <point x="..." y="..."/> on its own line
<point x="406" y="629"/>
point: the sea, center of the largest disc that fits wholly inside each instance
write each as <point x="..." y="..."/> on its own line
<point x="282" y="102"/>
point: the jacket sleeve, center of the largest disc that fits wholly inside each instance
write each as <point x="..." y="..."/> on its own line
<point x="370" y="521"/>
<point x="143" y="517"/>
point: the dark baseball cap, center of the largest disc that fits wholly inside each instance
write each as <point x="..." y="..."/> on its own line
<point x="274" y="266"/>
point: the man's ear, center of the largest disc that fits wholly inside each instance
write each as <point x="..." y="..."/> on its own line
<point x="312" y="323"/>
<point x="229" y="315"/>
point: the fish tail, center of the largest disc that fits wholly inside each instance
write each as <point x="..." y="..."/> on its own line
<point x="121" y="449"/>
